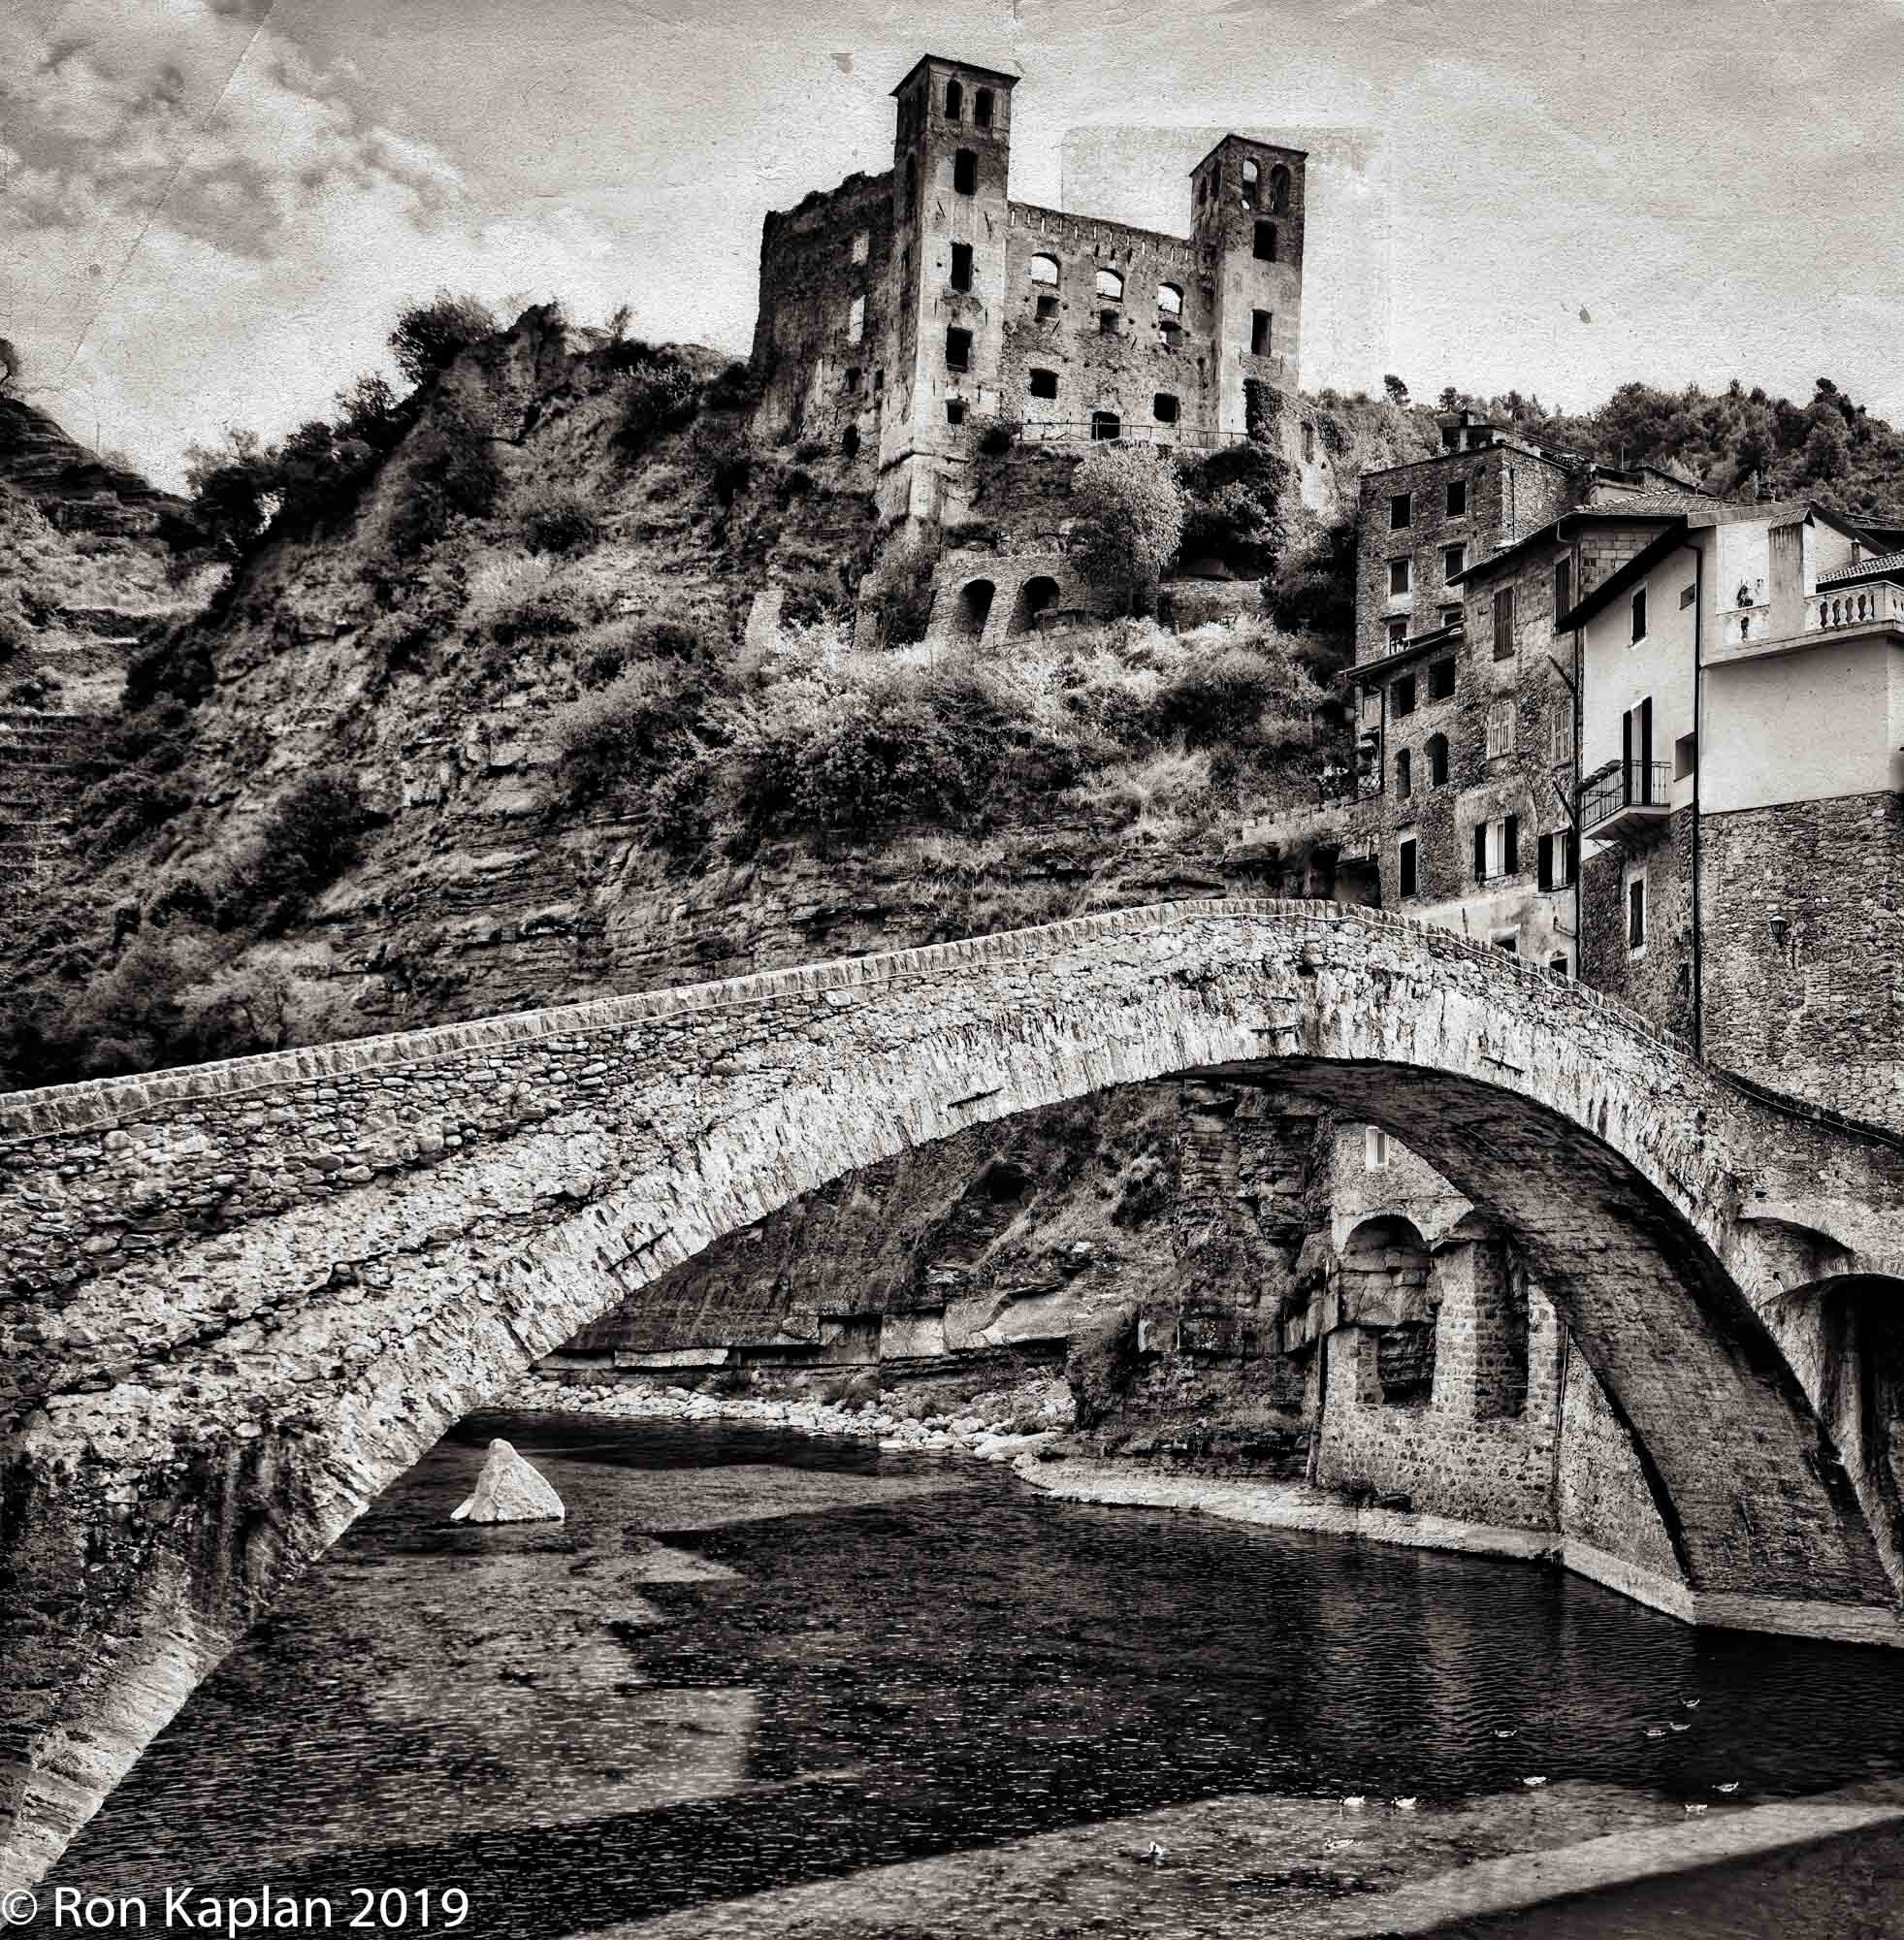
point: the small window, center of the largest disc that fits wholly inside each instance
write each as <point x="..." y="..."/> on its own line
<point x="955" y="101"/>
<point x="1555" y="860"/>
<point x="1279" y="191"/>
<point x="1559" y="730"/>
<point x="1436" y="752"/>
<point x="1509" y="941"/>
<point x="855" y="320"/>
<point x="1405" y="783"/>
<point x="861" y="242"/>
<point x="1441" y="680"/>
<point x="1687" y="596"/>
<point x="1260" y="323"/>
<point x="852" y="377"/>
<point x="965" y="172"/>
<point x="1454" y="561"/>
<point x="1251" y="176"/>
<point x="981" y="108"/>
<point x="1560" y="967"/>
<point x="1500" y="726"/>
<point x="1044" y="269"/>
<point x="1562" y="589"/>
<point x="1169" y="299"/>
<point x="1110" y="284"/>
<point x="1404" y="866"/>
<point x="1047" y="309"/>
<point x="1497" y="849"/>
<point x="1398" y="635"/>
<point x="1503" y="624"/>
<point x="1375" y="1142"/>
<point x="1639" y="616"/>
<point x="1106" y="425"/>
<point x="958" y="351"/>
<point x="961" y="266"/>
<point x="1308" y="441"/>
<point x="1107" y="322"/>
<point x="1450" y="616"/>
<point x="1400" y="511"/>
<point x="1684" y="755"/>
<point x="1041" y="384"/>
<point x="1457" y="496"/>
<point x="1401" y="697"/>
<point x="1397" y="578"/>
<point x="955" y="411"/>
<point x="878" y="380"/>
<point x="1163" y="408"/>
<point x="1265" y="246"/>
<point x="1636" y="914"/>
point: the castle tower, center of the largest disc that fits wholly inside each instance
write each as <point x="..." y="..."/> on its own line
<point x="951" y="158"/>
<point x="1246" y="215"/>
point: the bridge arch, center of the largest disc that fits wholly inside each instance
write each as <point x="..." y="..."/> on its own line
<point x="341" y="1250"/>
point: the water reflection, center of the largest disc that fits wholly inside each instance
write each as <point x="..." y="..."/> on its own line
<point x="749" y="1660"/>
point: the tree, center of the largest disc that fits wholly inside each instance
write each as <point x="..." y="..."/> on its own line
<point x="431" y="336"/>
<point x="1131" y="508"/>
<point x="1397" y="391"/>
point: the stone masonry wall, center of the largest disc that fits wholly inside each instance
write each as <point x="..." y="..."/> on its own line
<point x="1804" y="951"/>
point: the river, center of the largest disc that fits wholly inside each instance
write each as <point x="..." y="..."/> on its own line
<point x="759" y="1683"/>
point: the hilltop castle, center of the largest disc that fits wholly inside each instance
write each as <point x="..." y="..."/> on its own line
<point x="910" y="312"/>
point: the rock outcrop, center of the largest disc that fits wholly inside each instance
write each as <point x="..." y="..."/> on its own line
<point x="509" y="1490"/>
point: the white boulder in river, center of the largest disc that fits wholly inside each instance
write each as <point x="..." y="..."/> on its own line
<point x="509" y="1490"/>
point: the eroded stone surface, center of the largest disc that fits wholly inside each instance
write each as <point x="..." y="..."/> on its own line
<point x="509" y="1490"/>
<point x="242" y="1298"/>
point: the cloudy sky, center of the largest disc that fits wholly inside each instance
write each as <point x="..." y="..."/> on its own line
<point x="210" y="210"/>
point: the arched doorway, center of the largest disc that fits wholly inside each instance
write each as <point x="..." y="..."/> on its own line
<point x="975" y="600"/>
<point x="1037" y="595"/>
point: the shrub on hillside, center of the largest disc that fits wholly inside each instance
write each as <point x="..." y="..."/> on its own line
<point x="447" y="470"/>
<point x="1130" y="508"/>
<point x="620" y="742"/>
<point x="1100" y="1364"/>
<point x="1234" y="501"/>
<point x="658" y="395"/>
<point x="735" y="389"/>
<point x="311" y="837"/>
<point x="558" y="519"/>
<point x="901" y="589"/>
<point x="429" y="337"/>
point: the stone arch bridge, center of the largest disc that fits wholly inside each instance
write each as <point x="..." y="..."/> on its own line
<point x="242" y="1298"/>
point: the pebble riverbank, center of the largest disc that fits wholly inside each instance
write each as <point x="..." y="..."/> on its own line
<point x="990" y="1427"/>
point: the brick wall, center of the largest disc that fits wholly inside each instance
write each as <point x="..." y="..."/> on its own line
<point x="1804" y="949"/>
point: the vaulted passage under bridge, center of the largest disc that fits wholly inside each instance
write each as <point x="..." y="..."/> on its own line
<point x="242" y="1298"/>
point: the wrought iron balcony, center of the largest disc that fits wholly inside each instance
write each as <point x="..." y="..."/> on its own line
<point x="1627" y="804"/>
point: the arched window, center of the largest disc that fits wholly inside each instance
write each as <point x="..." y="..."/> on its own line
<point x="1279" y="190"/>
<point x="1109" y="285"/>
<point x="981" y="108"/>
<point x="1250" y="175"/>
<point x="1037" y="595"/>
<point x="1169" y="299"/>
<point x="1044" y="269"/>
<point x="1106" y="425"/>
<point x="954" y="102"/>
<point x="1438" y="760"/>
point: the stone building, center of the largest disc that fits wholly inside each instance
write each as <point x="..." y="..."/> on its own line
<point x="909" y="313"/>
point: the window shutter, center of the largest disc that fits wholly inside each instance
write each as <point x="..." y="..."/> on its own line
<point x="1627" y="754"/>
<point x="1510" y="846"/>
<point x="1646" y="748"/>
<point x="1480" y="850"/>
<point x="1544" y="864"/>
<point x="1573" y="856"/>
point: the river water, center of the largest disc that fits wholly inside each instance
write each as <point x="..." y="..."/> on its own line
<point x="758" y="1683"/>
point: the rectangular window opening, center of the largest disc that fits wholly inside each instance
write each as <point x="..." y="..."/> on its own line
<point x="1404" y="866"/>
<point x="1684" y="755"/>
<point x="1375" y="1146"/>
<point x="965" y="172"/>
<point x="1258" y="333"/>
<point x="1041" y="384"/>
<point x="955" y="411"/>
<point x="1164" y="408"/>
<point x="958" y="351"/>
<point x="1636" y="914"/>
<point x="1454" y="559"/>
<point x="1503" y="624"/>
<point x="1264" y="244"/>
<point x="1457" y="496"/>
<point x="1400" y="511"/>
<point x="1441" y="680"/>
<point x="961" y="266"/>
<point x="1048" y="308"/>
<point x="1639" y="616"/>
<point x="1401" y="697"/>
<point x="1562" y="589"/>
<point x="1397" y="575"/>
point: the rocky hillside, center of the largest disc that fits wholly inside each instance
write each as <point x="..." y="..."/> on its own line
<point x="502" y="723"/>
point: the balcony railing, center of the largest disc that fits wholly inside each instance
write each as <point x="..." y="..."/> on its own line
<point x="1626" y="802"/>
<point x="1856" y="607"/>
